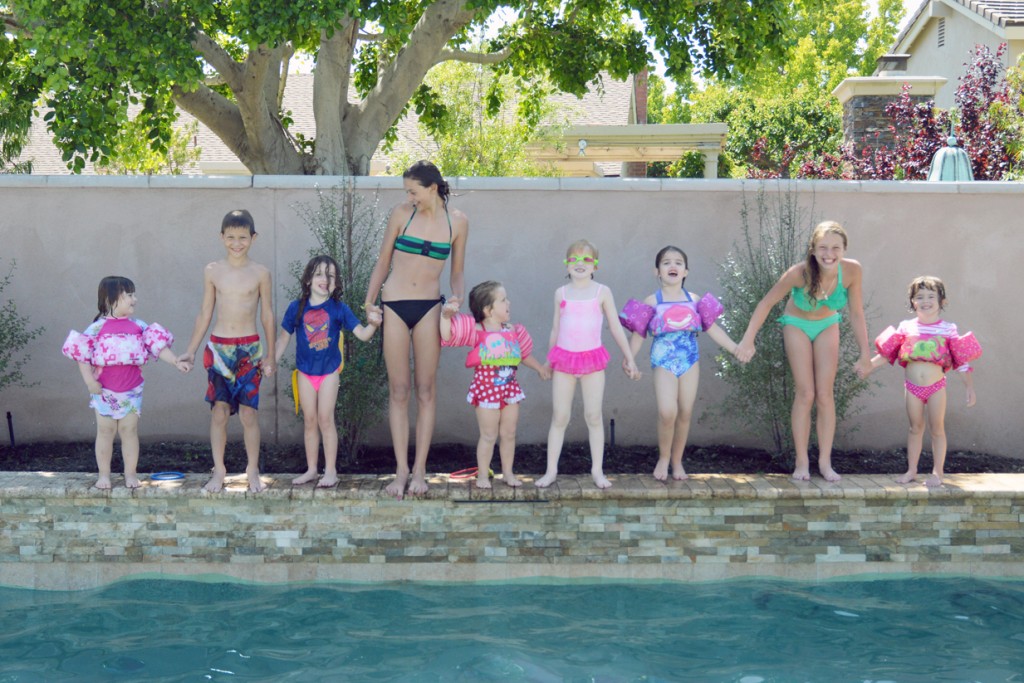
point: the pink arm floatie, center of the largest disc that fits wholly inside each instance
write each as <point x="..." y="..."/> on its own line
<point x="525" y="340"/>
<point x="888" y="344"/>
<point x="463" y="331"/>
<point x="156" y="339"/>
<point x="79" y="347"/>
<point x="709" y="309"/>
<point x="964" y="349"/>
<point x="635" y="316"/>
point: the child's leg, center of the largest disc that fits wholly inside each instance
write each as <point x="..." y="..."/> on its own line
<point x="326" y="402"/>
<point x="219" y="414"/>
<point x="666" y="397"/>
<point x="687" y="398"/>
<point x="563" y="388"/>
<point x="801" y="363"/>
<point x="915" y="437"/>
<point x="128" y="430"/>
<point x="507" y="443"/>
<point x="106" y="428"/>
<point x="251" y="436"/>
<point x="592" y="388"/>
<point x="310" y="430"/>
<point x="488" y="419"/>
<point x="826" y="364"/>
<point x="937" y="426"/>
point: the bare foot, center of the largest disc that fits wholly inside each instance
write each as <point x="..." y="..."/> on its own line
<point x="397" y="487"/>
<point x="328" y="481"/>
<point x="483" y="482"/>
<point x="418" y="485"/>
<point x="131" y="481"/>
<point x="906" y="478"/>
<point x="601" y="481"/>
<point x="829" y="473"/>
<point x="933" y="480"/>
<point x="310" y="475"/>
<point x="546" y="481"/>
<point x="102" y="483"/>
<point x="678" y="473"/>
<point x="216" y="483"/>
<point x="661" y="470"/>
<point x="801" y="474"/>
<point x="255" y="483"/>
<point x="510" y="480"/>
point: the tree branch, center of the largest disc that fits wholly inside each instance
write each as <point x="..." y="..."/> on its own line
<point x="219" y="59"/>
<point x="473" y="57"/>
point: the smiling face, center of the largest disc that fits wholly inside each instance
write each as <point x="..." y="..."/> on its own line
<point x="124" y="306"/>
<point x="581" y="264"/>
<point x="237" y="242"/>
<point x="671" y="268"/>
<point x="418" y="195"/>
<point x="322" y="283"/>
<point x="828" y="250"/>
<point x="928" y="304"/>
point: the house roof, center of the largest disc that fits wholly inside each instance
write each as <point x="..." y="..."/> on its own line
<point x="610" y="104"/>
<point x="1002" y="14"/>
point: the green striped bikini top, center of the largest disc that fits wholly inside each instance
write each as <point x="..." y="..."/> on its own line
<point x="836" y="300"/>
<point x="422" y="247"/>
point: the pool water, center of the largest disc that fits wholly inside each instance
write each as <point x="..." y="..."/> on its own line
<point x="755" y="631"/>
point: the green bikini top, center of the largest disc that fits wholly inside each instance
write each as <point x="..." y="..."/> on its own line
<point x="422" y="247"/>
<point x="836" y="300"/>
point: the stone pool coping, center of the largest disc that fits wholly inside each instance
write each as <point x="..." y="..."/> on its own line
<point x="57" y="532"/>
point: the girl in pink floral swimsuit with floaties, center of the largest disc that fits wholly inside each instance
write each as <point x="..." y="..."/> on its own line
<point x="110" y="355"/>
<point x="927" y="347"/>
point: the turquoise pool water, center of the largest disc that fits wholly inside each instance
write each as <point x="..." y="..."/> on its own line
<point x="925" y="630"/>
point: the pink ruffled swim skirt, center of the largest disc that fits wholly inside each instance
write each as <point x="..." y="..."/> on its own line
<point x="578" y="362"/>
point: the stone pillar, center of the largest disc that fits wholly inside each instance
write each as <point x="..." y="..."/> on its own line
<point x="638" y="169"/>
<point x="864" y="98"/>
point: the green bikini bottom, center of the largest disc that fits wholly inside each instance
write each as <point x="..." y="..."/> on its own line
<point x="812" y="328"/>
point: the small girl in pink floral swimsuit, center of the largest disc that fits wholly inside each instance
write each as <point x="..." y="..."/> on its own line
<point x="576" y="353"/>
<point x="110" y="354"/>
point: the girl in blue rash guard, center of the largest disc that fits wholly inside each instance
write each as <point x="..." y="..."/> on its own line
<point x="817" y="288"/>
<point x="317" y="319"/>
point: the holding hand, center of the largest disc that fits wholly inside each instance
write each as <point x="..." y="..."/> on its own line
<point x="863" y="367"/>
<point x="450" y="309"/>
<point x="374" y="317"/>
<point x="630" y="368"/>
<point x="744" y="351"/>
<point x="185" y="362"/>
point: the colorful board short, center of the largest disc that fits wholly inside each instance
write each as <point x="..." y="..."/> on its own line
<point x="117" y="404"/>
<point x="676" y="352"/>
<point x="578" y="363"/>
<point x="494" y="386"/>
<point x="233" y="372"/>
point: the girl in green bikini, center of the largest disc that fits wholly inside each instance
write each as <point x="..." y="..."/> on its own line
<point x="818" y="288"/>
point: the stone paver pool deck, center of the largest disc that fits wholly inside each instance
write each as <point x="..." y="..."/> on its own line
<point x="56" y="532"/>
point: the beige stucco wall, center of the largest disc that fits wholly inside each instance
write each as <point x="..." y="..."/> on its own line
<point x="68" y="232"/>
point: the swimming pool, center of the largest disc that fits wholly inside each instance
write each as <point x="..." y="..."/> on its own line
<point x="751" y="631"/>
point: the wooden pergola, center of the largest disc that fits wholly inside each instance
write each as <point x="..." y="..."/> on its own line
<point x="575" y="150"/>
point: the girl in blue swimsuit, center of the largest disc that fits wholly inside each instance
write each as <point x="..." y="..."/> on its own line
<point x="674" y="318"/>
<point x="817" y="288"/>
<point x="421" y="235"/>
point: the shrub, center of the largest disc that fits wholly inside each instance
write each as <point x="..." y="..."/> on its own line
<point x="761" y="392"/>
<point x="346" y="226"/>
<point x="15" y="335"/>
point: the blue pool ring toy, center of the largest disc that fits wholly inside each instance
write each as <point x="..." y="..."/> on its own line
<point x="166" y="476"/>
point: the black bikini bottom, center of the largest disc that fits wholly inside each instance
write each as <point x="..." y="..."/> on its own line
<point x="411" y="311"/>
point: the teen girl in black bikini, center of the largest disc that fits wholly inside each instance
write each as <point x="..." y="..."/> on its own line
<point x="408" y="278"/>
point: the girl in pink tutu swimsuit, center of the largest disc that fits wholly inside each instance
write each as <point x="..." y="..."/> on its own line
<point x="577" y="354"/>
<point x="927" y="347"/>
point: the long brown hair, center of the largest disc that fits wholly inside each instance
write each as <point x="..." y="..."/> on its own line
<point x="812" y="274"/>
<point x="307" y="281"/>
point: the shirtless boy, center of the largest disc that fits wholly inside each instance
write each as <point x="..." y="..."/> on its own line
<point x="234" y="358"/>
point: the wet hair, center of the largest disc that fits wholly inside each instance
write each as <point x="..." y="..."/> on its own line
<point x="929" y="282"/>
<point x="670" y="248"/>
<point x="426" y="174"/>
<point x="306" y="281"/>
<point x="110" y="290"/>
<point x="812" y="274"/>
<point x="482" y="296"/>
<point x="239" y="218"/>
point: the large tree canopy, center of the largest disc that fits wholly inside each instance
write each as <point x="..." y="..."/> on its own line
<point x="226" y="61"/>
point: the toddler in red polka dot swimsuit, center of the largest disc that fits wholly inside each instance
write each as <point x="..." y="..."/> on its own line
<point x="498" y="348"/>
